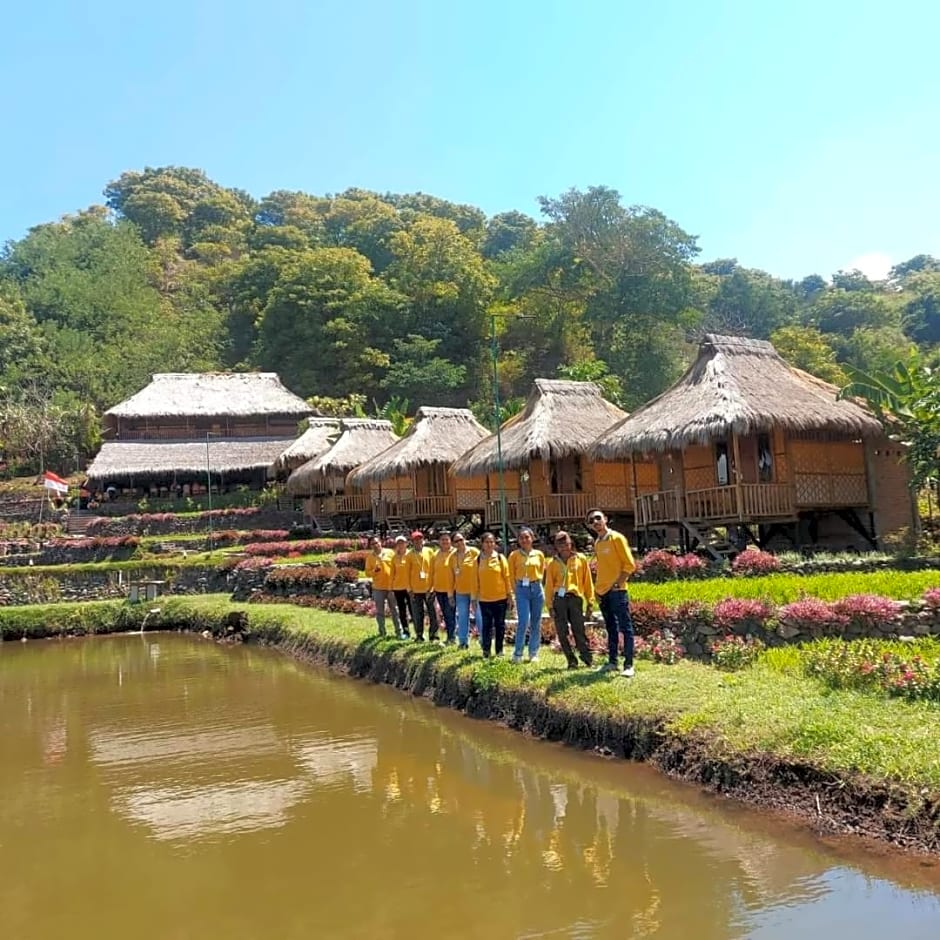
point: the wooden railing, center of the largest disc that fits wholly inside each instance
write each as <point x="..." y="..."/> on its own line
<point x="340" y="505"/>
<point x="757" y="501"/>
<point x="657" y="508"/>
<point x="555" y="507"/>
<point x="494" y="510"/>
<point x="425" y="507"/>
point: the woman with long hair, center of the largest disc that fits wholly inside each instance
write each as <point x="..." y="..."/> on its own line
<point x="527" y="571"/>
<point x="465" y="570"/>
<point x="494" y="591"/>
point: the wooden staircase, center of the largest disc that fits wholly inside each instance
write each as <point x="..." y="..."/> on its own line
<point x="78" y="523"/>
<point x="702" y="535"/>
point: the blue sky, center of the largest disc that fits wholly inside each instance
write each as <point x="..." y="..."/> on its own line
<point x="798" y="137"/>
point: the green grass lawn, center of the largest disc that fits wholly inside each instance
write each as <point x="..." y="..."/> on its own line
<point x="784" y="588"/>
<point x="769" y="709"/>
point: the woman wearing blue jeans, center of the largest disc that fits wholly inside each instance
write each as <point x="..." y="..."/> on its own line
<point x="527" y="571"/>
<point x="465" y="577"/>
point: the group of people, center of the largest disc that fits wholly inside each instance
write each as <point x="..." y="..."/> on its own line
<point x="413" y="582"/>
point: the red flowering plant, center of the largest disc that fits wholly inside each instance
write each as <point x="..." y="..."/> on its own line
<point x="811" y="615"/>
<point x="650" y="616"/>
<point x="692" y="566"/>
<point x="753" y="562"/>
<point x="932" y="598"/>
<point x="867" y="611"/>
<point x="658" y="565"/>
<point x="741" y="615"/>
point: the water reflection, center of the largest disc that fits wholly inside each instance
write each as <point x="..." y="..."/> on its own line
<point x="232" y="792"/>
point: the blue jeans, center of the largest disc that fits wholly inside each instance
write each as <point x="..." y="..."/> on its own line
<point x="448" y="614"/>
<point x="529" y="602"/>
<point x="463" y="618"/>
<point x="615" y="609"/>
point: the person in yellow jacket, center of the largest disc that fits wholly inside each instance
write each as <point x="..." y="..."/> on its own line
<point x="379" y="572"/>
<point x="615" y="564"/>
<point x="494" y="591"/>
<point x="527" y="571"/>
<point x="465" y="586"/>
<point x="443" y="584"/>
<point x="420" y="562"/>
<point x="400" y="583"/>
<point x="569" y="588"/>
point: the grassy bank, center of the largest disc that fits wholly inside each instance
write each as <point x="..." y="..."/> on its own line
<point x="769" y="734"/>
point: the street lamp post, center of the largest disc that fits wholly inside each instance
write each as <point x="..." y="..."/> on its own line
<point x="209" y="487"/>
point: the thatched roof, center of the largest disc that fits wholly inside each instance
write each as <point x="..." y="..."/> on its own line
<point x="438" y="435"/>
<point x="147" y="460"/>
<point x="560" y="418"/>
<point x="740" y="385"/>
<point x="211" y="394"/>
<point x="361" y="439"/>
<point x="316" y="440"/>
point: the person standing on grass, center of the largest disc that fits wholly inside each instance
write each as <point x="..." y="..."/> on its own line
<point x="526" y="571"/>
<point x="615" y="564"/>
<point x="569" y="587"/>
<point x="379" y="569"/>
<point x="494" y="591"/>
<point x="442" y="584"/>
<point x="400" y="583"/>
<point x="465" y="571"/>
<point x="420" y="560"/>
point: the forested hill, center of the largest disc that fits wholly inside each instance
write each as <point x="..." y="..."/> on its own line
<point x="389" y="297"/>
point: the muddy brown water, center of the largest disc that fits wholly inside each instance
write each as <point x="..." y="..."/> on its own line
<point x="160" y="786"/>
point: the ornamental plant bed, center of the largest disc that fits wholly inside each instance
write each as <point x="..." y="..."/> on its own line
<point x="305" y="546"/>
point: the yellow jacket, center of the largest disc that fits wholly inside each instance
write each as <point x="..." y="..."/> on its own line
<point x="524" y="565"/>
<point x="493" y="582"/>
<point x="419" y="570"/>
<point x="379" y="569"/>
<point x="400" y="580"/>
<point x="614" y="561"/>
<point x="574" y="576"/>
<point x="465" y="572"/>
<point x="442" y="572"/>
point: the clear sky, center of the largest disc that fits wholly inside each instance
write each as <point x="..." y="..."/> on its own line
<point x="797" y="136"/>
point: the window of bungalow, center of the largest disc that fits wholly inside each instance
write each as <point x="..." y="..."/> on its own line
<point x="722" y="463"/>
<point x="765" y="459"/>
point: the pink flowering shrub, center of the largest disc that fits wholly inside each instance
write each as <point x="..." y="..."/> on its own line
<point x="752" y="562"/>
<point x="867" y="611"/>
<point x="303" y="546"/>
<point x="731" y="653"/>
<point x="352" y="559"/>
<point x="741" y="614"/>
<point x="932" y="598"/>
<point x="811" y="615"/>
<point x="691" y="565"/>
<point x="658" y="565"/>
<point x="311" y="577"/>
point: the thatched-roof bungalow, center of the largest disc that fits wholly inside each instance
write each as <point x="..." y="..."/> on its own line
<point x="322" y="480"/>
<point x="548" y="476"/>
<point x="745" y="439"/>
<point x="316" y="440"/>
<point x="186" y="427"/>
<point x="413" y="473"/>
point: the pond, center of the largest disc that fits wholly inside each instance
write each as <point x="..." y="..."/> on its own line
<point x="161" y="786"/>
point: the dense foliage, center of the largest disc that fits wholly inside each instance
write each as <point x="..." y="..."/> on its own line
<point x="377" y="298"/>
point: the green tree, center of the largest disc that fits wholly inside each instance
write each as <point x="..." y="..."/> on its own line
<point x="808" y="349"/>
<point x="920" y="316"/>
<point x="876" y="349"/>
<point x="416" y="372"/>
<point x="842" y="311"/>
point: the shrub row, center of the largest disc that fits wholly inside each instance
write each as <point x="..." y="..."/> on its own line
<point x="304" y="546"/>
<point x="309" y="577"/>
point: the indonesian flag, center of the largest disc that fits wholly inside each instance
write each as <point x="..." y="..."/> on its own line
<point x="52" y="481"/>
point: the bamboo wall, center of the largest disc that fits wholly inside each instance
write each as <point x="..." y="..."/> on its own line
<point x="176" y="428"/>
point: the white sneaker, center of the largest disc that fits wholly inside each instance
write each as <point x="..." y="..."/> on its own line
<point x="516" y="659"/>
<point x="534" y="659"/>
<point x="628" y="672"/>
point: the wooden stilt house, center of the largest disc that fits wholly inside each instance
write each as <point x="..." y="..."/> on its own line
<point x="746" y="444"/>
<point x="328" y="498"/>
<point x="410" y="480"/>
<point x="543" y="452"/>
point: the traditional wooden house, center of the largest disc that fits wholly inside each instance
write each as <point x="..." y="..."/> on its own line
<point x="745" y="442"/>
<point x="548" y="476"/>
<point x="319" y="437"/>
<point x="185" y="429"/>
<point x="322" y="480"/>
<point x="410" y="480"/>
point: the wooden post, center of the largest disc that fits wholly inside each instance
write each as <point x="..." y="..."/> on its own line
<point x="739" y="493"/>
<point x="871" y="488"/>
